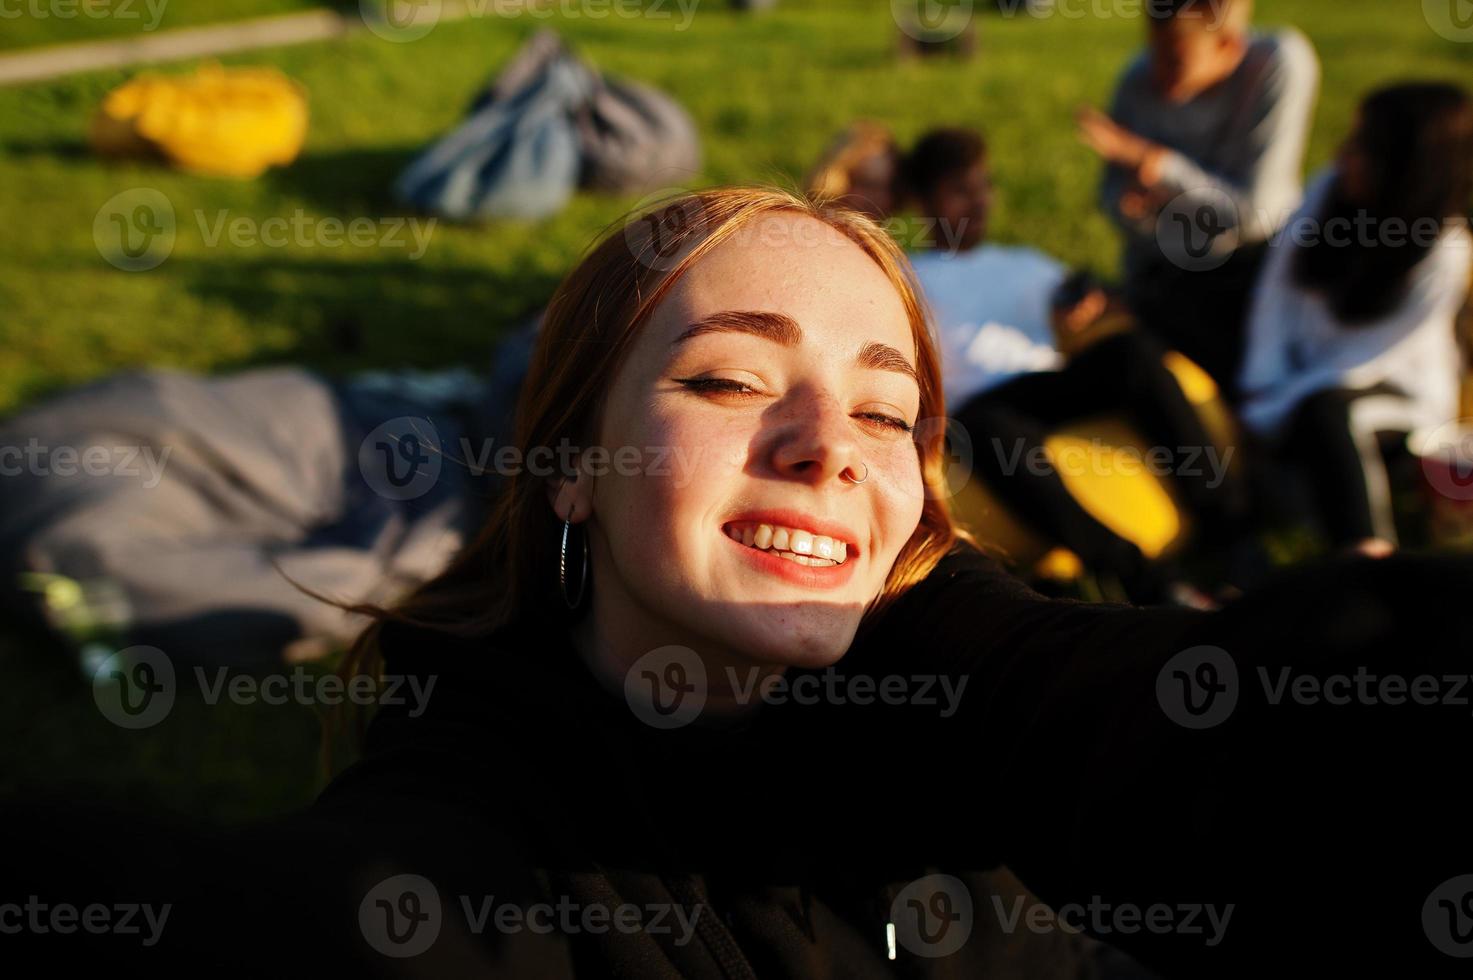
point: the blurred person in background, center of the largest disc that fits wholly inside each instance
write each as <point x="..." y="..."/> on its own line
<point x="1025" y="351"/>
<point x="859" y="170"/>
<point x="1351" y="339"/>
<point x="1204" y="146"/>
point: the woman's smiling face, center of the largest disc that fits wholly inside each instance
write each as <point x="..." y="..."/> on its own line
<point x="777" y="377"/>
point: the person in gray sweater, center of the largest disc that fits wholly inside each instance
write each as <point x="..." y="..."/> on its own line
<point x="1204" y="146"/>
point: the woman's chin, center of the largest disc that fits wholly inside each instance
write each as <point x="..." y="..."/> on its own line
<point x="812" y="645"/>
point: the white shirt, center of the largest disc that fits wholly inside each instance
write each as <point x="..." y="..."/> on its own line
<point x="1296" y="346"/>
<point x="991" y="306"/>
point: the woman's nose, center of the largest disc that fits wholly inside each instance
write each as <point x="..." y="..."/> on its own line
<point x="815" y="441"/>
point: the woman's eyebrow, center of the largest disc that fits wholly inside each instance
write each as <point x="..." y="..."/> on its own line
<point x="784" y="330"/>
<point x="883" y="357"/>
<point x="771" y="326"/>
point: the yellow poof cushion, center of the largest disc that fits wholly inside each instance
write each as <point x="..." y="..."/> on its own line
<point x="1103" y="463"/>
<point x="232" y="122"/>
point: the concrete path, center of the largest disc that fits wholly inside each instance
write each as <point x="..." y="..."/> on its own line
<point x="38" y="64"/>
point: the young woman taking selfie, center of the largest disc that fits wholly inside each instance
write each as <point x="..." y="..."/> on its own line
<point x="720" y="657"/>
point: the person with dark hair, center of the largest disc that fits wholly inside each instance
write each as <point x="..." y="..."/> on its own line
<point x="860" y="169"/>
<point x="1017" y="365"/>
<point x="1204" y="145"/>
<point x="947" y="173"/>
<point x="1351" y="336"/>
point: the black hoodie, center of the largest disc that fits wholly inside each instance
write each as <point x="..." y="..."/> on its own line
<point x="851" y="834"/>
<point x="776" y="846"/>
<point x="522" y="821"/>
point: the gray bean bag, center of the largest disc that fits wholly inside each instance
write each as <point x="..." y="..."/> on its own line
<point x="548" y="125"/>
<point x="173" y="510"/>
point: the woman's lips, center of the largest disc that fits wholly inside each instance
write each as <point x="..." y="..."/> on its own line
<point x="794" y="553"/>
<point x="792" y="543"/>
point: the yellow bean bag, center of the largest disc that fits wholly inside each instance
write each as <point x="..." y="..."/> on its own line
<point x="229" y="122"/>
<point x="1099" y="461"/>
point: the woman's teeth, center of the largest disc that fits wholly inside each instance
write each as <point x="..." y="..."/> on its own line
<point x="791" y="543"/>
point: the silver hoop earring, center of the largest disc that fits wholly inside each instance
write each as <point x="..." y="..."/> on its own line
<point x="863" y="478"/>
<point x="562" y="568"/>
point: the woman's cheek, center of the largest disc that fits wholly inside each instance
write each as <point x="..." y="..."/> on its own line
<point x="696" y="460"/>
<point x="896" y="504"/>
<point x="902" y="468"/>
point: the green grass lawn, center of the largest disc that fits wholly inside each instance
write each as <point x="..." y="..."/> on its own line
<point x="767" y="92"/>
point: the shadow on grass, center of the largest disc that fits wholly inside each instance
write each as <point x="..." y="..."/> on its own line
<point x="222" y="763"/>
<point x="347" y="182"/>
<point x="53" y="149"/>
<point x="345" y="315"/>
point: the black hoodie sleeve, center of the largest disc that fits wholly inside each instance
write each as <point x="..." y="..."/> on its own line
<point x="1223" y="762"/>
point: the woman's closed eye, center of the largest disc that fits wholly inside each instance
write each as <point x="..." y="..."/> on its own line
<point x="725" y="386"/>
<point x="886" y="421"/>
<point x="731" y="386"/>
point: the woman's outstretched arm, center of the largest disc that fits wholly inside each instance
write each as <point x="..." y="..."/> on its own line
<point x="1279" y="783"/>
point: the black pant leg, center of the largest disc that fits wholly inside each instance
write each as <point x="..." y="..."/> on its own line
<point x="1008" y="455"/>
<point x="1202" y="313"/>
<point x="1345" y="471"/>
<point x="1127" y="373"/>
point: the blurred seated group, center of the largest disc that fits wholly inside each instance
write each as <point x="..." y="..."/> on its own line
<point x="1268" y="347"/>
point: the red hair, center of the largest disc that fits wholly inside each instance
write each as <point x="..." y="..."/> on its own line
<point x="510" y="570"/>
